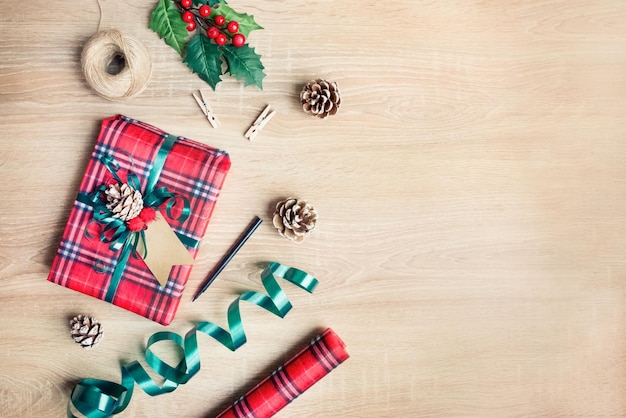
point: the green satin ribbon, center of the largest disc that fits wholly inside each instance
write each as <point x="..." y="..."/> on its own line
<point x="114" y="231"/>
<point x="95" y="398"/>
<point x="159" y="162"/>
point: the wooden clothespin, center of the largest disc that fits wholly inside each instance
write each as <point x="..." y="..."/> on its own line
<point x="206" y="109"/>
<point x="259" y="123"/>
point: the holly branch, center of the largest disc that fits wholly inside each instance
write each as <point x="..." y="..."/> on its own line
<point x="211" y="38"/>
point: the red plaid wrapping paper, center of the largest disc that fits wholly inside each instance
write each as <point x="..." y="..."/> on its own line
<point x="191" y="169"/>
<point x="287" y="382"/>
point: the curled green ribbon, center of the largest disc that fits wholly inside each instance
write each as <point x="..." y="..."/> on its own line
<point x="95" y="398"/>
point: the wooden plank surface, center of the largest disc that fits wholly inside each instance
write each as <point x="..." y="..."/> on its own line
<point x="471" y="191"/>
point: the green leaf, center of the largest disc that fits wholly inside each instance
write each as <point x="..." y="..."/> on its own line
<point x="245" y="64"/>
<point x="166" y="22"/>
<point x="204" y="58"/>
<point x="209" y="2"/>
<point x="246" y="22"/>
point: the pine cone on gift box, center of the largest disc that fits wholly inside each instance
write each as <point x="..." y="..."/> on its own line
<point x="124" y="201"/>
<point x="86" y="331"/>
<point x="320" y="98"/>
<point x="294" y="219"/>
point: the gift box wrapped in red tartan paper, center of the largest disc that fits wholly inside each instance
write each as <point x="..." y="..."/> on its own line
<point x="143" y="206"/>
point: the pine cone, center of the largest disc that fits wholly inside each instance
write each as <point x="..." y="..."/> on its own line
<point x="320" y="98"/>
<point x="124" y="201"/>
<point x="294" y="218"/>
<point x="86" y="331"/>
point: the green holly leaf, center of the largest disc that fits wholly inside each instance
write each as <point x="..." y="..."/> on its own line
<point x="209" y="2"/>
<point x="166" y="22"/>
<point x="246" y="22"/>
<point x="245" y="64"/>
<point x="204" y="58"/>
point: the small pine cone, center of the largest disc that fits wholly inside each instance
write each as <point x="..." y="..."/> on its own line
<point x="86" y="331"/>
<point x="295" y="219"/>
<point x="320" y="98"/>
<point x="124" y="201"/>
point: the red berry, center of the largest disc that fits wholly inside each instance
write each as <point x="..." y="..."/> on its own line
<point x="204" y="10"/>
<point x="136" y="224"/>
<point x="191" y="26"/>
<point x="220" y="20"/>
<point x="233" y="26"/>
<point x="220" y="39"/>
<point x="238" y="40"/>
<point x="212" y="32"/>
<point x="147" y="214"/>
<point x="187" y="16"/>
<point x="185" y="3"/>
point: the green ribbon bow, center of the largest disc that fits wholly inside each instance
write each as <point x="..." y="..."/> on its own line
<point x="115" y="231"/>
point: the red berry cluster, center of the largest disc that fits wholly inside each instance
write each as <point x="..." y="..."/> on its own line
<point x="216" y="28"/>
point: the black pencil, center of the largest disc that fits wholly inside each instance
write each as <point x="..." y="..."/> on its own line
<point x="228" y="256"/>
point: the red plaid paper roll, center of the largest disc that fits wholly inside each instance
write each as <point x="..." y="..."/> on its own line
<point x="287" y="382"/>
<point x="190" y="169"/>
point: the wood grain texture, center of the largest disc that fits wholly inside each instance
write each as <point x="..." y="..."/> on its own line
<point x="471" y="193"/>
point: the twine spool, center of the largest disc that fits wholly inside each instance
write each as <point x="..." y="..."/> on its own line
<point x="108" y="49"/>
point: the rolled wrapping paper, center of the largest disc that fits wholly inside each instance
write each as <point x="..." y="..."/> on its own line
<point x="286" y="383"/>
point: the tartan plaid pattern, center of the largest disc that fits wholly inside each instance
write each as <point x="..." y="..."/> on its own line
<point x="287" y="382"/>
<point x="193" y="170"/>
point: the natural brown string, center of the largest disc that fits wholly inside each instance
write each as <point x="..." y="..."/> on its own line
<point x="108" y="49"/>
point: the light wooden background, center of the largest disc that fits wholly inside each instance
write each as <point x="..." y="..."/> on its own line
<point x="471" y="194"/>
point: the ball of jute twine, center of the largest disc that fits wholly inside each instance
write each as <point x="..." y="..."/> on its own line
<point x="106" y="47"/>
